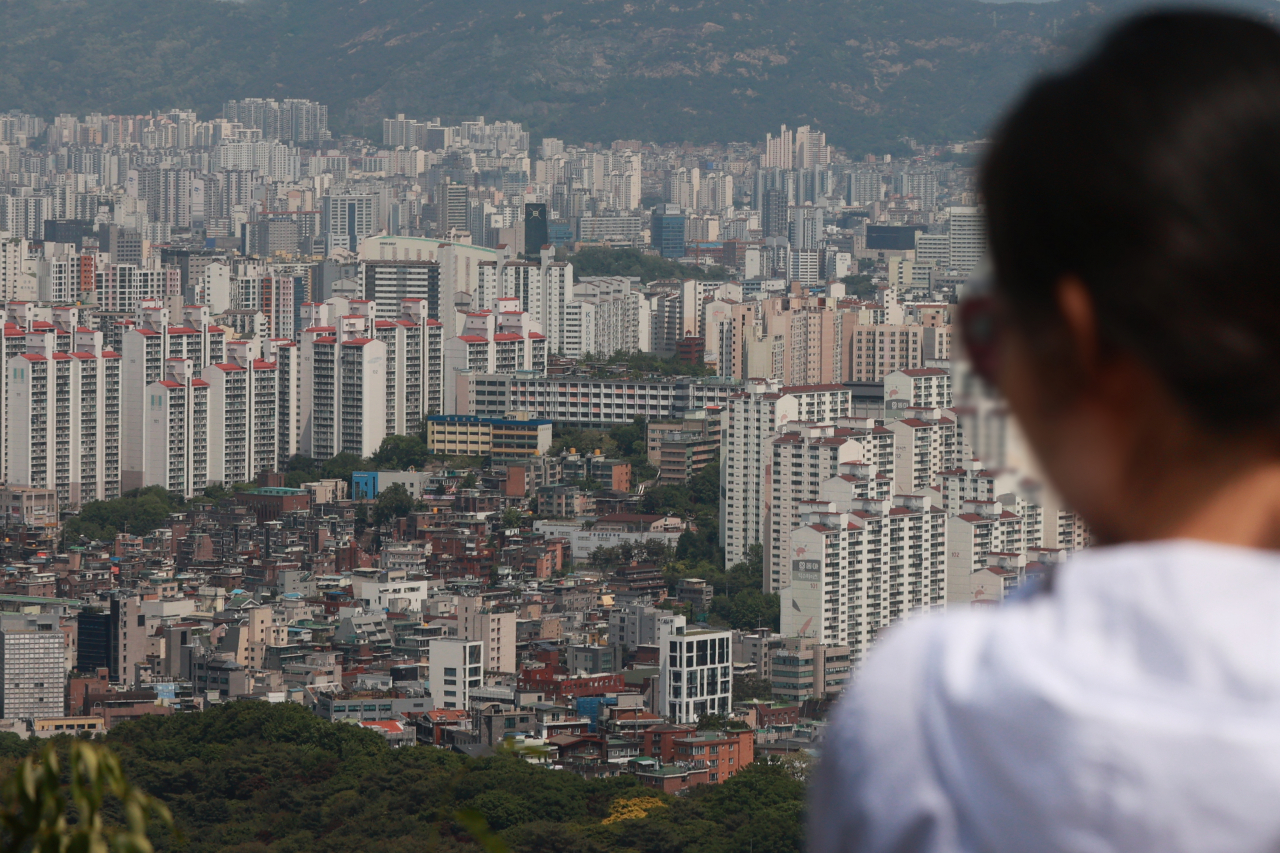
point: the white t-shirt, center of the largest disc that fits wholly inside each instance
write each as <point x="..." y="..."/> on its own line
<point x="1134" y="707"/>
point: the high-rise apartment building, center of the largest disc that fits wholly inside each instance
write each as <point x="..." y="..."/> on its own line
<point x="344" y="390"/>
<point x="64" y="413"/>
<point x="779" y="151"/>
<point x="145" y="343"/>
<point x="754" y="416"/>
<point x="604" y="317"/>
<point x="294" y="119"/>
<point x="804" y="457"/>
<point x="243" y="427"/>
<point x="175" y="430"/>
<point x="794" y="340"/>
<point x="167" y="192"/>
<point x="968" y="235"/>
<point x="415" y="366"/>
<point x="857" y="566"/>
<point x="875" y="351"/>
<point x="542" y="289"/>
<point x="805" y="228"/>
<point x="505" y="341"/>
<point x="287" y="356"/>
<point x="925" y="443"/>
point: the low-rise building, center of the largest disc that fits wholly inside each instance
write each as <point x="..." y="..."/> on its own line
<point x="515" y="437"/>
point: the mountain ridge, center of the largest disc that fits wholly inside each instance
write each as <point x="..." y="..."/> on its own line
<point x="867" y="72"/>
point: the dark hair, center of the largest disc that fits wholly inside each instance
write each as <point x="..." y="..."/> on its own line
<point x="1151" y="171"/>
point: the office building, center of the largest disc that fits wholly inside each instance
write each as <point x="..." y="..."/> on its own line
<point x="535" y="229"/>
<point x="501" y="438"/>
<point x="33" y="675"/>
<point x="453" y="208"/>
<point x="666" y="230"/>
<point x="635" y="625"/>
<point x="696" y="675"/>
<point x="345" y="220"/>
<point x="388" y="283"/>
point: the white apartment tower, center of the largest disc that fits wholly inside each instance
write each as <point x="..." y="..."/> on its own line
<point x="968" y="237"/>
<point x="503" y="341"/>
<point x="64" y="410"/>
<point x="287" y="356"/>
<point x="543" y="289"/>
<point x="145" y="343"/>
<point x="859" y="565"/>
<point x="406" y="357"/>
<point x="344" y="402"/>
<point x="804" y="457"/>
<point x="176" y="430"/>
<point x="243" y="427"/>
<point x="754" y="417"/>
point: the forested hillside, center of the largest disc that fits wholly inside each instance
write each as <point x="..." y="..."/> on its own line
<point x="256" y="778"/>
<point x="866" y="72"/>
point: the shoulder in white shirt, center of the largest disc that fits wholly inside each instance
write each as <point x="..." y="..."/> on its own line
<point x="1134" y="708"/>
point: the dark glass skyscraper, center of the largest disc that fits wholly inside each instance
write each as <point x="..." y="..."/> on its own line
<point x="535" y="229"/>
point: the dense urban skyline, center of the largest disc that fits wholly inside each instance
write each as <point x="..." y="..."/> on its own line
<point x="621" y="451"/>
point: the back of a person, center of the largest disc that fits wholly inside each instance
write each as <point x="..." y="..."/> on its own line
<point x="1133" y="704"/>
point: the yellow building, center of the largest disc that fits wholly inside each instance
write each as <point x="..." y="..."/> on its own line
<point x="516" y="437"/>
<point x="50" y="726"/>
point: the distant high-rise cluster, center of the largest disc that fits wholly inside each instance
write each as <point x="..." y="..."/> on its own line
<point x="198" y="303"/>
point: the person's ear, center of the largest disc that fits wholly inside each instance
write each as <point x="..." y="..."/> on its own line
<point x="1080" y="327"/>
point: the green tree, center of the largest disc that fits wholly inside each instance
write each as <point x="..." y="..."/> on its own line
<point x="748" y="687"/>
<point x="399" y="453"/>
<point x="470" y="481"/>
<point x="601" y="260"/>
<point x="667" y="500"/>
<point x="860" y="286"/>
<point x="512" y="518"/>
<point x="138" y="512"/>
<point x="704" y="486"/>
<point x="585" y="441"/>
<point x="500" y="809"/>
<point x="342" y="466"/>
<point x="393" y="502"/>
<point x="255" y="776"/>
<point x="35" y="811"/>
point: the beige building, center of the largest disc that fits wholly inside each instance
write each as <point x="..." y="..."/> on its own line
<point x="29" y="506"/>
<point x="477" y="622"/>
